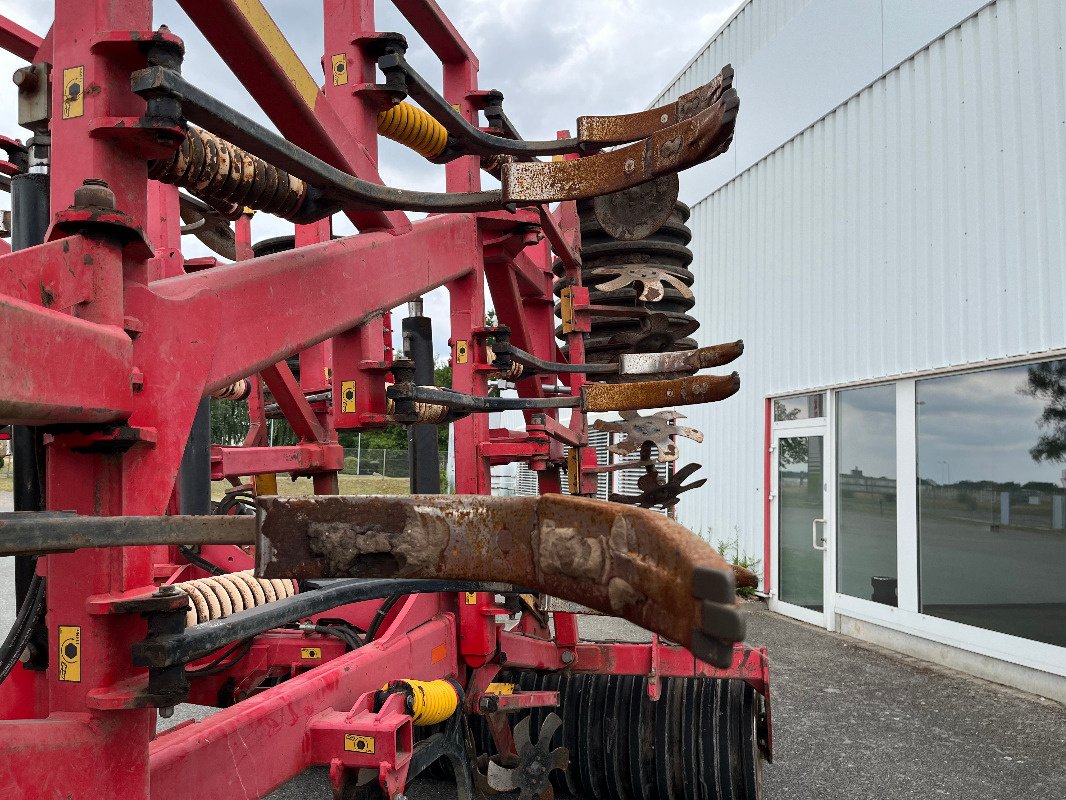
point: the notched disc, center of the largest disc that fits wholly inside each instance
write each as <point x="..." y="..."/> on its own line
<point x="639" y="211"/>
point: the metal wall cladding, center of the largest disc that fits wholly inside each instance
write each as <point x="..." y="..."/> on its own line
<point x="920" y="225"/>
<point x="753" y="24"/>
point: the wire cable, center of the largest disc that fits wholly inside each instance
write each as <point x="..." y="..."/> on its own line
<point x="19" y="635"/>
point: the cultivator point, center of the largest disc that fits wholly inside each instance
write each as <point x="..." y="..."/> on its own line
<point x="384" y="637"/>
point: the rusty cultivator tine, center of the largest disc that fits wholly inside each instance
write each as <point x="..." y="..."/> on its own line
<point x="625" y="128"/>
<point x="684" y="361"/>
<point x="689" y="142"/>
<point x="619" y="560"/>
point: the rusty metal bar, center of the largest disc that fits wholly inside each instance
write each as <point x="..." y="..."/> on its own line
<point x="619" y="560"/>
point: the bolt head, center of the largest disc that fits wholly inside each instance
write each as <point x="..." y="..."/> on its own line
<point x="166" y="712"/>
<point x="25" y="78"/>
<point x="567" y="657"/>
<point x="168" y="588"/>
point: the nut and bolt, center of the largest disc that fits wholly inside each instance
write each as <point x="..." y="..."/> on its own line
<point x="167" y="589"/>
<point x="25" y="78"/>
<point x="567" y="656"/>
<point x="94" y="192"/>
<point x="166" y="712"/>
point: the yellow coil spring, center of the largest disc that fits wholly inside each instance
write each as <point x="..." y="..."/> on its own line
<point x="432" y="701"/>
<point x="221" y="595"/>
<point x="415" y="128"/>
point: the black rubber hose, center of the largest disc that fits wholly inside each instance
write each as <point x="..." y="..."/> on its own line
<point x="19" y="635"/>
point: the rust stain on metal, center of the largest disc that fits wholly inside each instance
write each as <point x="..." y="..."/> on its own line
<point x="679" y="146"/>
<point x="658" y="394"/>
<point x="623" y="128"/>
<point x="613" y="558"/>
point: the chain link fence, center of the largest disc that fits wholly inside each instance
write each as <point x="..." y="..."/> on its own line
<point x="381" y="462"/>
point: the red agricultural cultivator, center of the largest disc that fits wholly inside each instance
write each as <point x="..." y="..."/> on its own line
<point x="380" y="636"/>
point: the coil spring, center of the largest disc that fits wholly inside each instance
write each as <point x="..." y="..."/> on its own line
<point x="221" y="595"/>
<point x="428" y="413"/>
<point x="415" y="128"/>
<point x="429" y="702"/>
<point x="229" y="178"/>
<point x="658" y="326"/>
<point x="239" y="390"/>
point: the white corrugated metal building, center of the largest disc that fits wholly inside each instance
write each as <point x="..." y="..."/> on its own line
<point x="887" y="236"/>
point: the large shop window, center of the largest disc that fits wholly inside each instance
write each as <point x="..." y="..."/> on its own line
<point x="866" y="493"/>
<point x="992" y="504"/>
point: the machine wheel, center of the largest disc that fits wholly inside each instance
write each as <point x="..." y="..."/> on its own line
<point x="699" y="741"/>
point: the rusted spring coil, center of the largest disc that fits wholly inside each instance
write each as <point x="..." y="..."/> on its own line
<point x="428" y="413"/>
<point x="229" y="178"/>
<point x="221" y="595"/>
<point x="238" y="390"/>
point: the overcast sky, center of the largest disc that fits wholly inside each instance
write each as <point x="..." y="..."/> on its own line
<point x="553" y="60"/>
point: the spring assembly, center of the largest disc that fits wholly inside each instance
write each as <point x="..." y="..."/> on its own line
<point x="239" y="390"/>
<point x="229" y="178"/>
<point x="411" y="126"/>
<point x="428" y="702"/>
<point x="661" y="323"/>
<point x="221" y="595"/>
<point x="428" y="413"/>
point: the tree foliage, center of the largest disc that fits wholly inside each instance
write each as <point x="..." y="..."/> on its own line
<point x="1047" y="382"/>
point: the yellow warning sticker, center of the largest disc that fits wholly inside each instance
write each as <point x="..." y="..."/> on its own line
<point x="499" y="688"/>
<point x="354" y="743"/>
<point x="73" y="92"/>
<point x="310" y="652"/>
<point x="348" y="397"/>
<point x="340" y="69"/>
<point x="70" y="653"/>
<point x="471" y="598"/>
<point x="462" y="353"/>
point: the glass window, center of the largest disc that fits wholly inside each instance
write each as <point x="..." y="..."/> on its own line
<point x="992" y="505"/>
<point x="866" y="493"/>
<point x="806" y="406"/>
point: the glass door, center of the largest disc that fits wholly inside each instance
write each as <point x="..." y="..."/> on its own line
<point x="801" y="521"/>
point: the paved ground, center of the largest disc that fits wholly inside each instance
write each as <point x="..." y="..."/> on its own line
<point x="851" y="722"/>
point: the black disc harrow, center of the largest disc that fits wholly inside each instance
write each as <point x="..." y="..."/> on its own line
<point x="636" y="325"/>
<point x="702" y="740"/>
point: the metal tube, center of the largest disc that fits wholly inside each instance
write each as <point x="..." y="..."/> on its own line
<point x="422" y="451"/>
<point x="22" y="533"/>
<point x="194" y="476"/>
<point x="29" y="222"/>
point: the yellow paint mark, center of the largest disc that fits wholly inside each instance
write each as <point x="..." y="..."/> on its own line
<point x="310" y="652"/>
<point x="279" y="48"/>
<point x="440" y="652"/>
<point x="73" y="92"/>
<point x="347" y="397"/>
<point x="70" y="653"/>
<point x="266" y="485"/>
<point x="354" y="743"/>
<point x="471" y="598"/>
<point x="340" y="69"/>
<point x="462" y="352"/>
<point x="566" y="309"/>
<point x="499" y="688"/>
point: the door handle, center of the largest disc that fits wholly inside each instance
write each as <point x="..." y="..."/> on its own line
<point x="818" y="544"/>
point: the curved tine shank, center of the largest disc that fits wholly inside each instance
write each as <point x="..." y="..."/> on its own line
<point x="625" y="128"/>
<point x="658" y="394"/>
<point x="685" y="144"/>
<point x="619" y="560"/>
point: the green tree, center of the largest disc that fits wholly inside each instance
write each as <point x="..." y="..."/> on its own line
<point x="1047" y="382"/>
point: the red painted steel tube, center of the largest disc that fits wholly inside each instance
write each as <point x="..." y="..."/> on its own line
<point x="222" y="756"/>
<point x="19" y="41"/>
<point x="315" y="292"/>
<point x="298" y="459"/>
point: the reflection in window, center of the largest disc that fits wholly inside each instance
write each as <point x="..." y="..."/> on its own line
<point x="807" y="406"/>
<point x="866" y="493"/>
<point x="992" y="507"/>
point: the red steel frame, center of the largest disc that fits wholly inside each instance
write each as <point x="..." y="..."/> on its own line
<point x="128" y="338"/>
